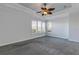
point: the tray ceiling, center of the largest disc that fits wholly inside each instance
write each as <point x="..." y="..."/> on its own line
<point x="37" y="6"/>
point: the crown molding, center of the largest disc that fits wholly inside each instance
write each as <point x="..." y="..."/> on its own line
<point x="34" y="14"/>
<point x="58" y="14"/>
<point x="23" y="9"/>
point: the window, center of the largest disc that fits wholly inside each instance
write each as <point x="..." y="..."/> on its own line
<point x="43" y="26"/>
<point x="49" y="26"/>
<point x="34" y="26"/>
<point x="38" y="26"/>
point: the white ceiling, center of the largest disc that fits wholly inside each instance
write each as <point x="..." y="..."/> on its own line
<point x="59" y="7"/>
<point x="37" y="6"/>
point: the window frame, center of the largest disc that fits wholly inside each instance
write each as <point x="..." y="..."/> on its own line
<point x="37" y="27"/>
<point x="48" y="26"/>
<point x="32" y="27"/>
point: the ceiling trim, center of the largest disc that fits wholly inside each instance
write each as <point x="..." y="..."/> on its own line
<point x="57" y="14"/>
<point x="31" y="12"/>
<point x="22" y="8"/>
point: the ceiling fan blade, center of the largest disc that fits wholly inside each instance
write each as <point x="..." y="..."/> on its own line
<point x="51" y="9"/>
<point x="42" y="14"/>
<point x="43" y="8"/>
<point x="39" y="12"/>
<point x="49" y="12"/>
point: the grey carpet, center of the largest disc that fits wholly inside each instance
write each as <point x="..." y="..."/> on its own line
<point x="42" y="46"/>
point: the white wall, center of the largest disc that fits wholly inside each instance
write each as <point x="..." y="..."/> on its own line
<point x="74" y="23"/>
<point x="60" y="25"/>
<point x="15" y="25"/>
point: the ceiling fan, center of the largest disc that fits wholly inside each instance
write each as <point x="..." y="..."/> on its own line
<point x="46" y="11"/>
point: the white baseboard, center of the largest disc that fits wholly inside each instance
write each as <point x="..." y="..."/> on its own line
<point x="58" y="36"/>
<point x="22" y="40"/>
